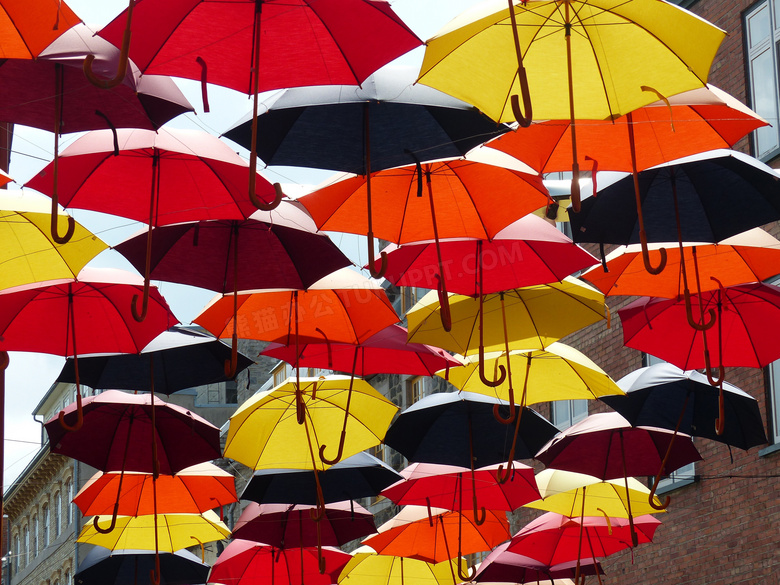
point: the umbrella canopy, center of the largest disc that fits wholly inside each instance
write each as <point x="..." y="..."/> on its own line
<point x="50" y="93"/>
<point x="558" y="372"/>
<point x="435" y="535"/>
<point x="663" y="395"/>
<point x="250" y="563"/>
<point x="606" y="446"/>
<point x="525" y="318"/>
<point x="93" y="302"/>
<point x="176" y="359"/>
<point x="170" y="533"/>
<point x="181" y="175"/>
<point x="746" y="314"/>
<point x="303" y="43"/>
<point x="473" y="56"/>
<point x="687" y="123"/>
<point x="117" y="420"/>
<point x="751" y="256"/>
<point x="102" y="566"/>
<point x="292" y="526"/>
<point x="553" y="538"/>
<point x="527" y="252"/>
<point x="458" y="428"/>
<point x="577" y="494"/>
<point x="385" y="352"/>
<point x="204" y="253"/>
<point x="265" y="434"/>
<point x="343" y="307"/>
<point x="359" y="476"/>
<point x="471" y="199"/>
<point x="192" y="490"/>
<point x="704" y="187"/>
<point x="388" y="117"/>
<point x="29" y="253"/>
<point x="367" y="567"/>
<point x="29" y="27"/>
<point x="501" y="566"/>
<point x="453" y="487"/>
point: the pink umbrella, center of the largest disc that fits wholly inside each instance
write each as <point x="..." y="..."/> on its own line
<point x="385" y="352"/>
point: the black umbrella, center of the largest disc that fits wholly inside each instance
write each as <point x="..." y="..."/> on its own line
<point x="663" y="395"/>
<point x="181" y="358"/>
<point x="388" y="121"/>
<point x="459" y="428"/>
<point x="102" y="566"/>
<point x="359" y="476"/>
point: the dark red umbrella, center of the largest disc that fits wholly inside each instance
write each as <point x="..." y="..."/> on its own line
<point x="449" y="486"/>
<point x="605" y="445"/>
<point x="385" y="352"/>
<point x="163" y="177"/>
<point x="250" y="563"/>
<point x="553" y="538"/>
<point x="292" y="526"/>
<point x="529" y="251"/>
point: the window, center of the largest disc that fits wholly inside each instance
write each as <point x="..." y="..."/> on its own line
<point x="45" y="520"/>
<point x="26" y="538"/>
<point x="567" y="412"/>
<point x="231" y="392"/>
<point x="762" y="33"/>
<point x="69" y="508"/>
<point x="35" y="528"/>
<point x="68" y="580"/>
<point x="409" y="297"/>
<point x="282" y="372"/>
<point x="16" y="553"/>
<point x="417" y="388"/>
<point x="57" y="514"/>
<point x="774" y="402"/>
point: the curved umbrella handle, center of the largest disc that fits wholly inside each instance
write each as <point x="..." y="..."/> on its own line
<point x="338" y="454"/>
<point x="140" y="316"/>
<point x="123" y="58"/>
<point x="523" y="118"/>
<point x="204" y="91"/>
<point x="651" y="496"/>
<point x="609" y="522"/>
<point x="708" y="370"/>
<point x="111" y="526"/>
<point x="501" y="477"/>
<point x="646" y="256"/>
<point x="444" y="304"/>
<point x="480" y="514"/>
<point x="54" y="216"/>
<point x="371" y="259"/>
<point x="483" y="377"/>
<point x="79" y="416"/>
<point x="231" y="365"/>
<point x="202" y="549"/>
<point x="278" y="196"/>
<point x="154" y="574"/>
<point x="703" y="326"/>
<point x="472" y="572"/>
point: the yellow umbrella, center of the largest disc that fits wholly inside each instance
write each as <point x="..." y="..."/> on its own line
<point x="28" y="253"/>
<point x="531" y="317"/>
<point x="558" y="372"/>
<point x="369" y="568"/>
<point x="174" y="531"/>
<point x="577" y="494"/>
<point x="576" y="59"/>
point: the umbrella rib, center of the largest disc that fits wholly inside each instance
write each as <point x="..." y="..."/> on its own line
<point x="586" y="34"/>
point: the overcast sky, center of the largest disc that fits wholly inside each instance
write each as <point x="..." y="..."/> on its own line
<point x="30" y="375"/>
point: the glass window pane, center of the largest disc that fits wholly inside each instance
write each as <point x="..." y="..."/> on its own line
<point x="774" y="398"/>
<point x="758" y="26"/>
<point x="762" y="83"/>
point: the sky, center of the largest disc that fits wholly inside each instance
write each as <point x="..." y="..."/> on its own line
<point x="30" y="375"/>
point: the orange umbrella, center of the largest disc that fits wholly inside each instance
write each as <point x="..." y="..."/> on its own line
<point x="193" y="490"/>
<point x="752" y="256"/>
<point x="432" y="534"/>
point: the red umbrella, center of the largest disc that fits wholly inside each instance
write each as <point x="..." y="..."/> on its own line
<point x="553" y="538"/>
<point x="256" y="46"/>
<point x="529" y="251"/>
<point x="251" y="563"/>
<point x="189" y="175"/>
<point x="292" y="526"/>
<point x="449" y="486"/>
<point x="385" y="352"/>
